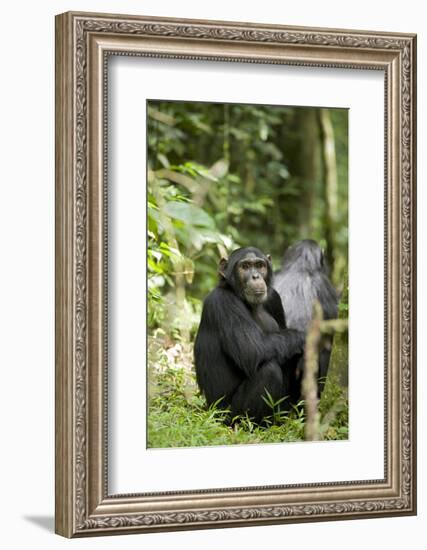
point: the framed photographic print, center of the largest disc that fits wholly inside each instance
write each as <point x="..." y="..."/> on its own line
<point x="235" y="274"/>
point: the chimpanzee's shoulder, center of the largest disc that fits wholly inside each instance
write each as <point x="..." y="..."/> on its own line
<point x="273" y="295"/>
<point x="274" y="306"/>
<point x="217" y="296"/>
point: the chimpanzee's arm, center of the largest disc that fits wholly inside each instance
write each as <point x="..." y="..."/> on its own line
<point x="241" y="338"/>
<point x="227" y="318"/>
<point x="291" y="341"/>
<point x="275" y="308"/>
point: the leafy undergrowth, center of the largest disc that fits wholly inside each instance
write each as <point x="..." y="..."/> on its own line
<point x="178" y="415"/>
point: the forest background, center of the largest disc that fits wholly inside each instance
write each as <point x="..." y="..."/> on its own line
<point x="222" y="176"/>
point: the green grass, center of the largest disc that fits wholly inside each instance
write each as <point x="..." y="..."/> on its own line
<point x="178" y="415"/>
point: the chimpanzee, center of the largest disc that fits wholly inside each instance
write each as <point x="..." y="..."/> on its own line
<point x="303" y="279"/>
<point x="243" y="344"/>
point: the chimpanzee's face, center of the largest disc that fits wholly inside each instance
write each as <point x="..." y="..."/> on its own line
<point x="252" y="273"/>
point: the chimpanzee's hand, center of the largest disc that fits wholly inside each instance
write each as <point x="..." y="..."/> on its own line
<point x="290" y="342"/>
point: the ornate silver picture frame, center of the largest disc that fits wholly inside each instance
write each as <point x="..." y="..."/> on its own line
<point x="84" y="42"/>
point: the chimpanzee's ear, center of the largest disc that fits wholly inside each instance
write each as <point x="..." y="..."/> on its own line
<point x="223" y="263"/>
<point x="268" y="258"/>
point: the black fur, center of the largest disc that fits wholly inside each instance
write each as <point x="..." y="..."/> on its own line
<point x="240" y="350"/>
<point x="303" y="279"/>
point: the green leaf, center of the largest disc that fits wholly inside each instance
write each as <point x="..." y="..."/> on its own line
<point x="170" y="251"/>
<point x="163" y="160"/>
<point x="200" y="236"/>
<point x="189" y="213"/>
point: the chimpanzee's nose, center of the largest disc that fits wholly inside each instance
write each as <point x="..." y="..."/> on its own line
<point x="255" y="275"/>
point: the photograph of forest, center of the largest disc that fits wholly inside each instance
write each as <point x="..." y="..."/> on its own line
<point x="247" y="274"/>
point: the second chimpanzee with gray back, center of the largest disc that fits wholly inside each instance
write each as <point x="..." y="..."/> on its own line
<point x="243" y="345"/>
<point x="303" y="279"/>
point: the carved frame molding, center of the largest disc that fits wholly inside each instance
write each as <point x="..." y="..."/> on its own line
<point x="83" y="43"/>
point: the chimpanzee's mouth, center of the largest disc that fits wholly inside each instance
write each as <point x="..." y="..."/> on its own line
<point x="255" y="291"/>
<point x="256" y="296"/>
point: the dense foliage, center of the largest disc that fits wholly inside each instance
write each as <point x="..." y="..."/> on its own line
<point x="222" y="176"/>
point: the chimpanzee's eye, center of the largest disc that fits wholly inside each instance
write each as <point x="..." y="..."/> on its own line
<point x="259" y="265"/>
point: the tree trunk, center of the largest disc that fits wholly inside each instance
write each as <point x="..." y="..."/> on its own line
<point x="339" y="356"/>
<point x="301" y="144"/>
<point x="309" y="169"/>
<point x="330" y="179"/>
